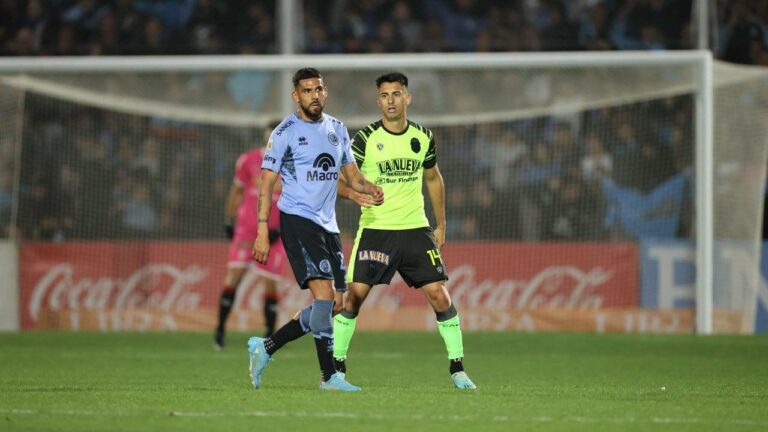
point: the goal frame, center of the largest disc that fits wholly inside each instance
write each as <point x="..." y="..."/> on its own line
<point x="700" y="60"/>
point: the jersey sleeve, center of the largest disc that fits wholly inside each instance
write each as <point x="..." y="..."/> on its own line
<point x="430" y="159"/>
<point x="242" y="171"/>
<point x="358" y="148"/>
<point x="346" y="157"/>
<point x="277" y="146"/>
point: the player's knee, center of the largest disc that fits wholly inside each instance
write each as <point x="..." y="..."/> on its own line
<point x="438" y="298"/>
<point x="320" y="317"/>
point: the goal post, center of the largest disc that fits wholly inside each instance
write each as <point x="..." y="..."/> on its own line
<point x="504" y="99"/>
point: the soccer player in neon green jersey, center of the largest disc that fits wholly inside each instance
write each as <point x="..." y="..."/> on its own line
<point x="397" y="155"/>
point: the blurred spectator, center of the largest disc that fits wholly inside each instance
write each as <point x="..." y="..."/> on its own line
<point x="533" y="179"/>
<point x="6" y="200"/>
<point x="596" y="162"/>
<point x="461" y="21"/>
<point x="559" y="34"/>
<point x="743" y="39"/>
<point x="138" y="215"/>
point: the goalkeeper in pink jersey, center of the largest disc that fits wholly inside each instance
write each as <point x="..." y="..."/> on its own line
<point x="242" y="228"/>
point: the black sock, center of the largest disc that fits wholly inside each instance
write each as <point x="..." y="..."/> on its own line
<point x="340" y="365"/>
<point x="324" y="348"/>
<point x="456" y="366"/>
<point x="226" y="300"/>
<point x="270" y="315"/>
<point x="290" y="331"/>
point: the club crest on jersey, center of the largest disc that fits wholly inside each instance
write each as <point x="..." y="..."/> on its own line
<point x="415" y="145"/>
<point x="372" y="255"/>
<point x="333" y="139"/>
<point x="380" y="146"/>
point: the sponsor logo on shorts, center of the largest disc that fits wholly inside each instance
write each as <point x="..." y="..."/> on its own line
<point x="372" y="255"/>
<point x="325" y="266"/>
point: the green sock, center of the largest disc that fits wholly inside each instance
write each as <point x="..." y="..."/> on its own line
<point x="343" y="329"/>
<point x="450" y="330"/>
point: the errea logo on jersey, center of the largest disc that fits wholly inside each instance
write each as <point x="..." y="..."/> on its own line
<point x="324" y="162"/>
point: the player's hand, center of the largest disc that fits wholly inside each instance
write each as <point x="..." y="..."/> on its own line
<point x="363" y="200"/>
<point x="377" y="193"/>
<point x="439" y="233"/>
<point x="261" y="249"/>
<point x="229" y="230"/>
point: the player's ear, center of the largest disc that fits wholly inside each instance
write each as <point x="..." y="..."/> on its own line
<point x="295" y="95"/>
<point x="407" y="98"/>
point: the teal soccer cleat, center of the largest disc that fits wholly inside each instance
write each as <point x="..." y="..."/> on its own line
<point x="462" y="381"/>
<point x="337" y="382"/>
<point x="258" y="359"/>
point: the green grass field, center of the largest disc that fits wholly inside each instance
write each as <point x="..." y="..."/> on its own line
<point x="176" y="382"/>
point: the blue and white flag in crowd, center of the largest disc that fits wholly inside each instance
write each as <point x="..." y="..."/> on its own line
<point x="645" y="215"/>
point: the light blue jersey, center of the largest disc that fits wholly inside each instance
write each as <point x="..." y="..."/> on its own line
<point x="308" y="156"/>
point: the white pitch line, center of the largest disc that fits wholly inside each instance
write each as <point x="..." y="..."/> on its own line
<point x="373" y="416"/>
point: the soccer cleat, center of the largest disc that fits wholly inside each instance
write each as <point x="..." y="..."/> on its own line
<point x="258" y="359"/>
<point x="462" y="381"/>
<point x="337" y="382"/>
<point x="218" y="339"/>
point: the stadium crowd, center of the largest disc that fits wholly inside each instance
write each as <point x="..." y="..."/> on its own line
<point x="122" y="176"/>
<point x="150" y="27"/>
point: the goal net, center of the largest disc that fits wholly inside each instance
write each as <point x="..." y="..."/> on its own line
<point x="571" y="188"/>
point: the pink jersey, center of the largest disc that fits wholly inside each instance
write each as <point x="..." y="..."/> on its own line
<point x="247" y="174"/>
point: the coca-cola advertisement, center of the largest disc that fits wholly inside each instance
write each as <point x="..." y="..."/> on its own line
<point x="140" y="286"/>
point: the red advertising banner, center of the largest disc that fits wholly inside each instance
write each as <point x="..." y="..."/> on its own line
<point x="175" y="286"/>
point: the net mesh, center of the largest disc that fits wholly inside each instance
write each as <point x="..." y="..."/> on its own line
<point x="569" y="195"/>
<point x="11" y="101"/>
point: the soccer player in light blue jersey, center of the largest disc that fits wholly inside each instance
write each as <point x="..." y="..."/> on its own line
<point x="307" y="151"/>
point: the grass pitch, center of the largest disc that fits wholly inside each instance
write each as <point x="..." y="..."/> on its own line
<point x="175" y="382"/>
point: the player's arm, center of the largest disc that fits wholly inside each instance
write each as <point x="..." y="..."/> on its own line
<point x="234" y="199"/>
<point x="357" y="181"/>
<point x="436" y="191"/>
<point x="361" y="199"/>
<point x="267" y="186"/>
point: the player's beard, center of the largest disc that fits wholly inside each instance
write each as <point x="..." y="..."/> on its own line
<point x="309" y="114"/>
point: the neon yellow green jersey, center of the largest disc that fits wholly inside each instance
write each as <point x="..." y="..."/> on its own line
<point x="396" y="162"/>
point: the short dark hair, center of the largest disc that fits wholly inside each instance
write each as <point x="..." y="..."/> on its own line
<point x="305" y="73"/>
<point x="392" y="77"/>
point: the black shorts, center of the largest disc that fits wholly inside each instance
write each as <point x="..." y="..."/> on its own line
<point x="377" y="254"/>
<point x="313" y="252"/>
